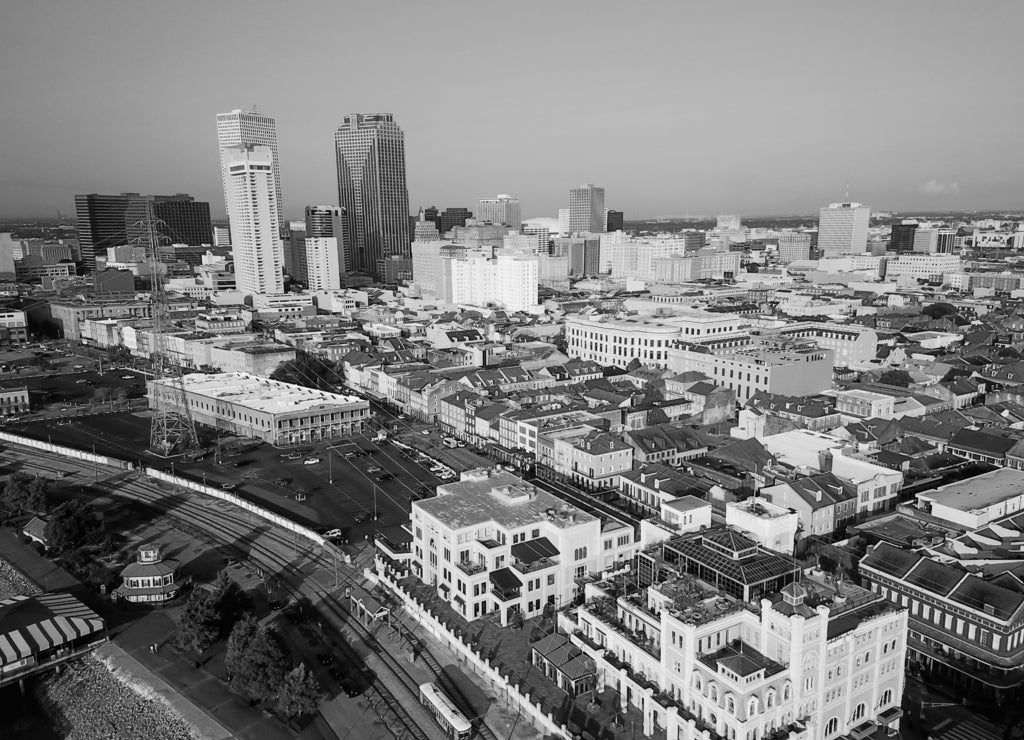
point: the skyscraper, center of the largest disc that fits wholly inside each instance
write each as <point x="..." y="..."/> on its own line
<point x="249" y="127"/>
<point x="843" y="229"/>
<point x="902" y="236"/>
<point x="370" y="153"/>
<point x="586" y="209"/>
<point x="324" y="247"/>
<point x="106" y="221"/>
<point x="793" y="246"/>
<point x="502" y="211"/>
<point x="614" y="220"/>
<point x="252" y="207"/>
<point x="452" y="217"/>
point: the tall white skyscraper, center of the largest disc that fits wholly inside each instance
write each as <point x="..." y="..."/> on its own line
<point x="370" y="156"/>
<point x="586" y="209"/>
<point x="249" y="127"/>
<point x="843" y="229"/>
<point x="252" y="207"/>
<point x="502" y="211"/>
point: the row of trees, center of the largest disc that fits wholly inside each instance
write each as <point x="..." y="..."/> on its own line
<point x="258" y="667"/>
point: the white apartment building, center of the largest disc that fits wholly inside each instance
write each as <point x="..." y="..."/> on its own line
<point x="851" y="344"/>
<point x="253" y="210"/>
<point x="705" y="265"/>
<point x="240" y="128"/>
<point x="762" y="521"/>
<point x="492" y="542"/>
<point x="324" y="263"/>
<point x="637" y="259"/>
<point x="810" y="660"/>
<point x="843" y="229"/>
<point x="508" y="279"/>
<point x="924" y="266"/>
<point x="610" y="341"/>
<point x="789" y="370"/>
<point x="794" y="246"/>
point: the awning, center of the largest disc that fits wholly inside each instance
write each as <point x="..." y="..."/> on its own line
<point x="890" y="715"/>
<point x="863" y="730"/>
<point x="505" y="579"/>
<point x="534" y="550"/>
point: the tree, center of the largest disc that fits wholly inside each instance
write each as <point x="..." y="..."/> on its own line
<point x="299" y="693"/>
<point x="229" y="600"/>
<point x="198" y="625"/>
<point x="939" y="310"/>
<point x="23" y="493"/>
<point x="827" y="564"/>
<point x="309" y="371"/>
<point x="255" y="661"/>
<point x="72" y="525"/>
<point x="895" y="376"/>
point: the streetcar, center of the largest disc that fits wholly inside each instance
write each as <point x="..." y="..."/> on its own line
<point x="455" y="725"/>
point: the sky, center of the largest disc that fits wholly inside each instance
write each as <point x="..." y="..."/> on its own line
<point x="673" y="107"/>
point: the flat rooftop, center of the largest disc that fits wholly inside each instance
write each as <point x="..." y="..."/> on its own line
<point x="265" y="395"/>
<point x="502" y="498"/>
<point x="978" y="492"/>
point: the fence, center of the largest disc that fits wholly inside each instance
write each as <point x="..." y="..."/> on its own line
<point x="545" y="721"/>
<point x="66" y="451"/>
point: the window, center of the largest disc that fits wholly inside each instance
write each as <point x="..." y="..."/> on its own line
<point x="858" y="713"/>
<point x="831" y="726"/>
<point x="580" y="554"/>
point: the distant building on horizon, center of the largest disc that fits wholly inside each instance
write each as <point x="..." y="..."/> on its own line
<point x="901" y="237"/>
<point x="586" y="209"/>
<point x="614" y="221"/>
<point x="254" y="128"/>
<point x="370" y="157"/>
<point x="252" y="207"/>
<point x="843" y="229"/>
<point x="503" y="210"/>
<point x="452" y="217"/>
<point x="794" y="246"/>
<point x="729" y="222"/>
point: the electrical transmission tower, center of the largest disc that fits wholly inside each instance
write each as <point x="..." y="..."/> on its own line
<point x="172" y="431"/>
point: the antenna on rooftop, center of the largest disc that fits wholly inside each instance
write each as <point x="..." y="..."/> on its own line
<point x="846" y="198"/>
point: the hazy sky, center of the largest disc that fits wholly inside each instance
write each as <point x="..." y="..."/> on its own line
<point x="674" y="107"/>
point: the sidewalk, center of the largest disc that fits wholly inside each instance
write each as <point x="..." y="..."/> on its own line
<point x="201" y="723"/>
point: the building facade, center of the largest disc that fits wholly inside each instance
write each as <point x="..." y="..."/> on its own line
<point x="843" y="229"/>
<point x="503" y="210"/>
<point x="251" y="128"/>
<point x="253" y="209"/>
<point x="586" y="209"/>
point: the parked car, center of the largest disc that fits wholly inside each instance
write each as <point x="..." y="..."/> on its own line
<point x="311" y="461"/>
<point x="330" y="534"/>
<point x="127" y="377"/>
<point x="374" y="469"/>
<point x="384" y="476"/>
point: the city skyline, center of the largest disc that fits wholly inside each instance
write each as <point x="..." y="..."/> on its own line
<point x="755" y="127"/>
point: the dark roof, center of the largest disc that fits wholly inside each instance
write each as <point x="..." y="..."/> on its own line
<point x="505" y="578"/>
<point x="534" y="550"/>
<point x="742" y="660"/>
<point x="981" y="441"/>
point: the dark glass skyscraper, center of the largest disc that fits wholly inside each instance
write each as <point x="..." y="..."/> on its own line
<point x="370" y="151"/>
<point x="114" y="220"/>
<point x="614" y="221"/>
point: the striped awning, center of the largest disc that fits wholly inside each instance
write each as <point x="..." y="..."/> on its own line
<point x="33" y="624"/>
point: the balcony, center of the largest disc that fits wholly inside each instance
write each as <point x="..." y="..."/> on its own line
<point x="470" y="568"/>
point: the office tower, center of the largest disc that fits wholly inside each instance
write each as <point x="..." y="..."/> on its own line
<point x="843" y="229"/>
<point x="249" y="127"/>
<point x="509" y="280"/>
<point x="794" y="246"/>
<point x="901" y="238"/>
<point x="221" y="236"/>
<point x="325" y="253"/>
<point x="586" y="209"/>
<point x="729" y="222"/>
<point x="430" y="213"/>
<point x="114" y="220"/>
<point x="370" y="155"/>
<point x="252" y="208"/>
<point x="926" y="241"/>
<point x="543" y="236"/>
<point x="7" y="250"/>
<point x="946" y="241"/>
<point x="424" y="230"/>
<point x="563" y="222"/>
<point x="452" y="217"/>
<point x="614" y="221"/>
<point x="180" y="219"/>
<point x="503" y="210"/>
<point x="694" y="241"/>
<point x="294" y="247"/>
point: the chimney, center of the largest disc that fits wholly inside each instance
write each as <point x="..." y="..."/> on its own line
<point x="825" y="461"/>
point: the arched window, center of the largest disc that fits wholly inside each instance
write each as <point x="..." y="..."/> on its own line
<point x="787" y="692"/>
<point x="730" y="704"/>
<point x="697" y="683"/>
<point x="769" y="699"/>
<point x="831" y="726"/>
<point x="713" y="692"/>
<point x="886" y="698"/>
<point x="858" y="713"/>
<point x="752" y="706"/>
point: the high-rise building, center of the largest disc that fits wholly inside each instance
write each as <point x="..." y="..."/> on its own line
<point x="324" y="247"/>
<point x="425" y="230"/>
<point x="370" y="149"/>
<point x="252" y="207"/>
<point x="106" y="221"/>
<point x="843" y="229"/>
<point x="934" y="241"/>
<point x="508" y="279"/>
<point x="452" y="217"/>
<point x="294" y="245"/>
<point x="563" y="222"/>
<point x="221" y="236"/>
<point x="430" y="213"/>
<point x="794" y="246"/>
<point x="614" y="221"/>
<point x="586" y="209"/>
<point x="256" y="129"/>
<point x="503" y="210"/>
<point x="901" y="238"/>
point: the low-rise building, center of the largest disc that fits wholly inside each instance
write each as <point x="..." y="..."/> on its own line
<point x="975" y="502"/>
<point x="768" y="524"/>
<point x="279" y="413"/>
<point x="14" y="401"/>
<point x="151" y="578"/>
<point x="822" y="502"/>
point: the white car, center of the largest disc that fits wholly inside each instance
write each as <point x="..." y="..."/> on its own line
<point x="127" y="377"/>
<point x="332" y="533"/>
<point x="311" y="461"/>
